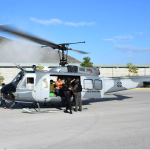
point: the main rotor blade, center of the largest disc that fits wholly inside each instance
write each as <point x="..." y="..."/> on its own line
<point x="29" y="37"/>
<point x="70" y="43"/>
<point x="77" y="51"/>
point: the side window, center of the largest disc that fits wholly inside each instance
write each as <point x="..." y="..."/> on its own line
<point x="98" y="84"/>
<point x="88" y="84"/>
<point x="30" y="83"/>
<point x="30" y="80"/>
<point x="27" y="83"/>
<point x="44" y="83"/>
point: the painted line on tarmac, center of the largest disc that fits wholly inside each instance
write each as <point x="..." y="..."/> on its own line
<point x="139" y="88"/>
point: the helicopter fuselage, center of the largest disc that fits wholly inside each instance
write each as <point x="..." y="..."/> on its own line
<point x="34" y="86"/>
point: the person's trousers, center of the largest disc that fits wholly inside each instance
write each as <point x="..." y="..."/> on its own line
<point x="78" y="101"/>
<point x="3" y="102"/>
<point x="59" y="92"/>
<point x="68" y="103"/>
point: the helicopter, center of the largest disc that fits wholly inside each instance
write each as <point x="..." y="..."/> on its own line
<point x="34" y="86"/>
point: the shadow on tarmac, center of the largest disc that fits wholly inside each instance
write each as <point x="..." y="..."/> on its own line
<point x="118" y="97"/>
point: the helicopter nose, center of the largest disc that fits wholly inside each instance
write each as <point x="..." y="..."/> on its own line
<point x="8" y="88"/>
<point x="7" y="92"/>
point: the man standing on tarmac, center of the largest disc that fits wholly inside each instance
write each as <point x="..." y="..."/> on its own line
<point x="67" y="90"/>
<point x="3" y="101"/>
<point x="77" y="91"/>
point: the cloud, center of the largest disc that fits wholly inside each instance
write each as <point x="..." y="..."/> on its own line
<point x="140" y="33"/>
<point x="75" y="24"/>
<point x="108" y="40"/>
<point x="57" y="21"/>
<point x="120" y="38"/>
<point x="79" y="24"/>
<point x="46" y="22"/>
<point x="131" y="48"/>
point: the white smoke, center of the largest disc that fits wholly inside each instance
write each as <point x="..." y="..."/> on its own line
<point x="23" y="52"/>
<point x="13" y="51"/>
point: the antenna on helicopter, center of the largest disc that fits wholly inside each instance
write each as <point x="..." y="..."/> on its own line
<point x="19" y="67"/>
<point x="61" y="47"/>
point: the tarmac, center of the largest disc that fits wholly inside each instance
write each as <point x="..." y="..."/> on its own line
<point x="120" y="120"/>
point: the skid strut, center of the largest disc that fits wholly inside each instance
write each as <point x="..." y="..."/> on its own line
<point x="14" y="103"/>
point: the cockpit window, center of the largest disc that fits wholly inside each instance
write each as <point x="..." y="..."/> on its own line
<point x="30" y="80"/>
<point x="17" y="78"/>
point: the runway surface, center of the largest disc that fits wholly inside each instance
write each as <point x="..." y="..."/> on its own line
<point x="120" y="120"/>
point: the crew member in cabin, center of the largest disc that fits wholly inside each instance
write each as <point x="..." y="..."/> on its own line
<point x="59" y="87"/>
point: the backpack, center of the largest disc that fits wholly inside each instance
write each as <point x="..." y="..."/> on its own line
<point x="79" y="89"/>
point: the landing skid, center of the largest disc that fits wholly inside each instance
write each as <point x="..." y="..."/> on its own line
<point x="25" y="110"/>
<point x="14" y="103"/>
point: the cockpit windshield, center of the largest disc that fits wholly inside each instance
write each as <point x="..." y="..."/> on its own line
<point x="17" y="78"/>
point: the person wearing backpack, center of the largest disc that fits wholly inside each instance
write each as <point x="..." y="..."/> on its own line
<point x="67" y="90"/>
<point x="77" y="91"/>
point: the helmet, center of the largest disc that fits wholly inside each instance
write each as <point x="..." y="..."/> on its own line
<point x="68" y="79"/>
<point x="76" y="81"/>
<point x="51" y="81"/>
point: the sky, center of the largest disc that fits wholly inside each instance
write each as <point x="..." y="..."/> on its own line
<point x="114" y="31"/>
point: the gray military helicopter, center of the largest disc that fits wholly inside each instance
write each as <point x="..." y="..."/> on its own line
<point x="34" y="86"/>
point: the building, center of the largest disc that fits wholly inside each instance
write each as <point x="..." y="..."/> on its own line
<point x="118" y="70"/>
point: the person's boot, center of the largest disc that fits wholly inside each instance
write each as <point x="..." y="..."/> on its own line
<point x="66" y="111"/>
<point x="70" y="111"/>
<point x="76" y="109"/>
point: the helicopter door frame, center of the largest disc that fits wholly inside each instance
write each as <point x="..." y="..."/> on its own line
<point x="24" y="91"/>
<point x="45" y="88"/>
<point x="42" y="87"/>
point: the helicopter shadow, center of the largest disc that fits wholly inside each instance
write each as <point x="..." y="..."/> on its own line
<point x="117" y="98"/>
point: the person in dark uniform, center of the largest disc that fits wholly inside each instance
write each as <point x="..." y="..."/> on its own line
<point x="77" y="92"/>
<point x="67" y="90"/>
<point x="2" y="100"/>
